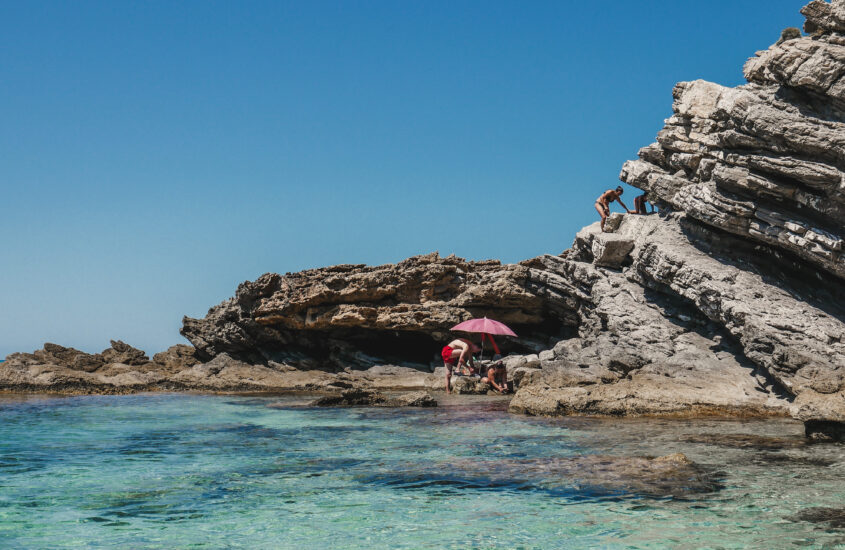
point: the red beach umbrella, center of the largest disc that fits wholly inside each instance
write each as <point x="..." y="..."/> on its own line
<point x="487" y="327"/>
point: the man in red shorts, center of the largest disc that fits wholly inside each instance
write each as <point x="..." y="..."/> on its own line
<point x="458" y="351"/>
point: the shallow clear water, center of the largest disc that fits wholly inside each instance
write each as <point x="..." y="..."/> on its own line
<point x="223" y="471"/>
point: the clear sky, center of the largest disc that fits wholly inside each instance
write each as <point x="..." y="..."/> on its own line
<point x="153" y="155"/>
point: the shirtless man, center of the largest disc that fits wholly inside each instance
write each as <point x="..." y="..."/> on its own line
<point x="603" y="203"/>
<point x="497" y="376"/>
<point x="458" y="351"/>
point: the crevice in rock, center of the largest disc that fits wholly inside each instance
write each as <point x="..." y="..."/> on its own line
<point x="812" y="104"/>
<point x="360" y="348"/>
<point x="825" y="219"/>
<point x="824" y="430"/>
<point x="777" y="267"/>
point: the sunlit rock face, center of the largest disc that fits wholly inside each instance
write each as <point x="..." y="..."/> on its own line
<point x="756" y="177"/>
<point x="763" y="161"/>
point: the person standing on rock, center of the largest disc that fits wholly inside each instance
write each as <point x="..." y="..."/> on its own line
<point x="603" y="203"/>
<point x="458" y="351"/>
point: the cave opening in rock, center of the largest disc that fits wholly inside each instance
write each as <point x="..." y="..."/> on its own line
<point x="365" y="348"/>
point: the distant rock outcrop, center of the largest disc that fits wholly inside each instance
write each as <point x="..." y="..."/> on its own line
<point x="118" y="369"/>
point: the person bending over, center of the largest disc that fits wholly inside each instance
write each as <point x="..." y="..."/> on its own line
<point x="640" y="202"/>
<point x="603" y="203"/>
<point x="497" y="376"/>
<point x="458" y="352"/>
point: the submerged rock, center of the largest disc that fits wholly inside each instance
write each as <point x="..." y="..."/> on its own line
<point x="833" y="517"/>
<point x="672" y="475"/>
<point x="359" y="397"/>
<point x="746" y="441"/>
<point x="354" y="397"/>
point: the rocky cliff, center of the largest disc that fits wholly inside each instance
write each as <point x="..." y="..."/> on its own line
<point x="729" y="301"/>
<point x="757" y="175"/>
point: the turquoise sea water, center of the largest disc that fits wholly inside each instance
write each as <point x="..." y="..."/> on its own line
<point x="165" y="471"/>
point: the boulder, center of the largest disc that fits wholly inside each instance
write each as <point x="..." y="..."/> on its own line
<point x="123" y="353"/>
<point x="362" y="397"/>
<point x="412" y="399"/>
<point x="469" y="385"/>
<point x="611" y="250"/>
<point x="176" y="358"/>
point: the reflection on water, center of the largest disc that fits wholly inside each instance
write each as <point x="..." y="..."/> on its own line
<point x="222" y="471"/>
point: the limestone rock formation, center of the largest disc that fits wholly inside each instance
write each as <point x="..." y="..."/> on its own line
<point x="730" y="301"/>
<point x="645" y="346"/>
<point x="764" y="162"/>
<point x="118" y="369"/>
<point x="124" y="369"/>
<point x="360" y="316"/>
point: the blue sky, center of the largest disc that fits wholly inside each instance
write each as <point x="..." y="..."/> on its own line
<point x="153" y="155"/>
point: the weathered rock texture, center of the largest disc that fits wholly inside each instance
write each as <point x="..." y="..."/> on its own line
<point x="764" y="162"/>
<point x="342" y="316"/>
<point x="124" y="369"/>
<point x="730" y="301"/>
<point x="679" y="331"/>
<point x="118" y="369"/>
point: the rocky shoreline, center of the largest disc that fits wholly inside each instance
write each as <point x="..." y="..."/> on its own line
<point x="730" y="301"/>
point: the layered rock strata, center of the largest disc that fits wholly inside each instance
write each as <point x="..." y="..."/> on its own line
<point x="680" y="331"/>
<point x="763" y="161"/>
<point x="341" y="316"/>
<point x="766" y="162"/>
